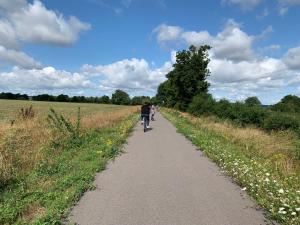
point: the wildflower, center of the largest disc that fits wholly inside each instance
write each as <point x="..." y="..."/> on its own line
<point x="293" y="213"/>
<point x="281" y="208"/>
<point x="244" y="189"/>
<point x="267" y="174"/>
<point x="281" y="191"/>
<point x="267" y="180"/>
<point x="297" y="209"/>
<point x="99" y="152"/>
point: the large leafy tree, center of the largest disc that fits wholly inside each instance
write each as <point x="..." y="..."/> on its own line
<point x="120" y="98"/>
<point x="187" y="79"/>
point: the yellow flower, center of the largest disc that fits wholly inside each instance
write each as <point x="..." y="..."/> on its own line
<point x="109" y="142"/>
<point x="99" y="152"/>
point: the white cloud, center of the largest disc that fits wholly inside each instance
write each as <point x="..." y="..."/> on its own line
<point x="165" y="33"/>
<point x="292" y="58"/>
<point x="8" y="36"/>
<point x="47" y="78"/>
<point x="19" y="58"/>
<point x="23" y="22"/>
<point x="129" y="74"/>
<point x="34" y="23"/>
<point x="231" y="43"/>
<point x="244" y="4"/>
<point x="196" y="38"/>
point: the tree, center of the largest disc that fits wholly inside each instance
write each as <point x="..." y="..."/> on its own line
<point x="252" y="101"/>
<point x="62" y="98"/>
<point x="120" y="98"/>
<point x="165" y="94"/>
<point x="187" y="79"/>
<point x="104" y="99"/>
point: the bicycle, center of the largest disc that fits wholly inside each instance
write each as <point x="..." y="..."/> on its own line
<point x="145" y="119"/>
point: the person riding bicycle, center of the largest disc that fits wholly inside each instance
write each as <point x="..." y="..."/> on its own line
<point x="145" y="113"/>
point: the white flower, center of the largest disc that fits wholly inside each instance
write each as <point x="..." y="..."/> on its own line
<point x="297" y="209"/>
<point x="281" y="191"/>
<point x="244" y="189"/>
<point x="283" y="212"/>
<point x="293" y="213"/>
<point x="267" y="174"/>
<point x="281" y="208"/>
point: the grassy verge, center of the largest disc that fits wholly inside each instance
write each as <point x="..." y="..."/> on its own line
<point x="263" y="175"/>
<point x="62" y="175"/>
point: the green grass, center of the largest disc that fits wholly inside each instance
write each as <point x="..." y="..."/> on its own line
<point x="9" y="109"/>
<point x="45" y="195"/>
<point x="277" y="193"/>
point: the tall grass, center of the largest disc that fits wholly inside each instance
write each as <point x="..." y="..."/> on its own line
<point x="22" y="144"/>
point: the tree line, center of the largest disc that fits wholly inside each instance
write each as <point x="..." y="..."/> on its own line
<point x="119" y="97"/>
<point x="186" y="89"/>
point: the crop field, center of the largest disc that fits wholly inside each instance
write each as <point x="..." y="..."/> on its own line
<point x="10" y="109"/>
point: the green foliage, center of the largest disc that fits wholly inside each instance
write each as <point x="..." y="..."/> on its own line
<point x="202" y="104"/>
<point x="104" y="99"/>
<point x="281" y="121"/>
<point x="289" y="103"/>
<point x="139" y="100"/>
<point x="252" y="101"/>
<point x="187" y="79"/>
<point x="120" y="98"/>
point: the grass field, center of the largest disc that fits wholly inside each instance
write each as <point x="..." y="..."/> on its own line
<point x="45" y="167"/>
<point x="264" y="165"/>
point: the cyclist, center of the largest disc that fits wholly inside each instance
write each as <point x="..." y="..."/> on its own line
<point x="145" y="113"/>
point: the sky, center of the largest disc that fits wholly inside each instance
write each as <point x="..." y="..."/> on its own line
<point x="93" y="47"/>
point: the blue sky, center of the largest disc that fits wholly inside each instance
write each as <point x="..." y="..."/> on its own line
<point x="92" y="47"/>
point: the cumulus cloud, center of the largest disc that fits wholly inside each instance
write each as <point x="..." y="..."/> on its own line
<point x="231" y="43"/>
<point x="47" y="78"/>
<point x="165" y="33"/>
<point x="136" y="76"/>
<point x="23" y="22"/>
<point x="129" y="74"/>
<point x="292" y="58"/>
<point x="244" y="4"/>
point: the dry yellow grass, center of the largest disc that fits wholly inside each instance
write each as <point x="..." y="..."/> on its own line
<point x="21" y="145"/>
<point x="274" y="148"/>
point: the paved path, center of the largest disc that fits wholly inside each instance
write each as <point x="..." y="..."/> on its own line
<point x="162" y="180"/>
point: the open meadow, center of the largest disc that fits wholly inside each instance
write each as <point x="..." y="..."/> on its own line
<point x="48" y="158"/>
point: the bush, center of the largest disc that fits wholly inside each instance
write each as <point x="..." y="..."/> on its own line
<point x="202" y="104"/>
<point x="281" y="121"/>
<point x="223" y="109"/>
<point x="27" y="113"/>
<point x="244" y="114"/>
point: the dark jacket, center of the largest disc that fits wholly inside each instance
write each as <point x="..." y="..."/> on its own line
<point x="145" y="109"/>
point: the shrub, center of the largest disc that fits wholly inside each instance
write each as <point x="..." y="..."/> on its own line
<point x="281" y="121"/>
<point x="202" y="104"/>
<point x="223" y="109"/>
<point x="248" y="114"/>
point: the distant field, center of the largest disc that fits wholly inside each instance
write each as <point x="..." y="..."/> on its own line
<point x="10" y="109"/>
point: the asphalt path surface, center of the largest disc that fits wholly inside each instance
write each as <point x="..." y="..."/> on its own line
<point x="161" y="179"/>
